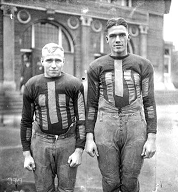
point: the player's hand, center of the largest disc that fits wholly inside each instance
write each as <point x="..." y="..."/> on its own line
<point x="29" y="163"/>
<point x="76" y="158"/>
<point x="149" y="147"/>
<point x="91" y="148"/>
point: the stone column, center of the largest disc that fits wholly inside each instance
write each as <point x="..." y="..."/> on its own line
<point x="143" y="40"/>
<point x="85" y="44"/>
<point x="8" y="47"/>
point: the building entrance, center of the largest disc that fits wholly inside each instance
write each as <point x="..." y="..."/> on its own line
<point x="39" y="34"/>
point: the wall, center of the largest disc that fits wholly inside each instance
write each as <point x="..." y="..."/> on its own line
<point x="156" y="45"/>
<point x="1" y="46"/>
<point x="157" y="6"/>
<point x="155" y="32"/>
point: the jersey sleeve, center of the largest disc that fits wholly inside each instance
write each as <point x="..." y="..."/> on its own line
<point x="80" y="116"/>
<point x="149" y="99"/>
<point x="27" y="120"/>
<point x="92" y="100"/>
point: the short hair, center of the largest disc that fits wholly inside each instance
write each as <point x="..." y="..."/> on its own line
<point x="116" y="22"/>
<point x="51" y="48"/>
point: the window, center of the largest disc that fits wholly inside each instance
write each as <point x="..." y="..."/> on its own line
<point x="166" y="52"/>
<point x="166" y="65"/>
<point x="39" y="34"/>
<point x="27" y="36"/>
<point x="45" y="33"/>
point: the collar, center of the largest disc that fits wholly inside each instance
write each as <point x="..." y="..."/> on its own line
<point x="119" y="57"/>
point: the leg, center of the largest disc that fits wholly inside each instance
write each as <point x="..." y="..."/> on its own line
<point x="131" y="154"/>
<point x="108" y="162"/>
<point x="43" y="174"/>
<point x="109" y="155"/>
<point x="66" y="174"/>
<point x="131" y="166"/>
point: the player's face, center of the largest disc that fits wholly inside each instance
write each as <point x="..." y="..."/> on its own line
<point x="117" y="39"/>
<point x="53" y="64"/>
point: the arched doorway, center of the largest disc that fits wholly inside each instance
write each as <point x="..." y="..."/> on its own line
<point x="41" y="33"/>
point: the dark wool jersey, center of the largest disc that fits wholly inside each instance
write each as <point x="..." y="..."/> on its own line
<point x="137" y="75"/>
<point x="54" y="104"/>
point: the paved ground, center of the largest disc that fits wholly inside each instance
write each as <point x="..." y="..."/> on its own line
<point x="158" y="174"/>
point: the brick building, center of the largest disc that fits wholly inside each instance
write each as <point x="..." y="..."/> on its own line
<point x="79" y="26"/>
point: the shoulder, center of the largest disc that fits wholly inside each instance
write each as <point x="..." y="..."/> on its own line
<point x="35" y="79"/>
<point x="72" y="80"/>
<point x="143" y="63"/>
<point x="100" y="61"/>
<point x="32" y="85"/>
<point x="97" y="65"/>
<point x="71" y="84"/>
<point x="139" y="59"/>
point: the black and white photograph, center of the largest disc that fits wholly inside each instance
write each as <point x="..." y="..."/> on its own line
<point x="89" y="95"/>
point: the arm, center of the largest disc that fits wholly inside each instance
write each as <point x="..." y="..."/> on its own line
<point x="91" y="147"/>
<point x="149" y="148"/>
<point x="92" y="100"/>
<point x="76" y="158"/>
<point x="26" y="130"/>
<point x="91" y="111"/>
<point x="29" y="163"/>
